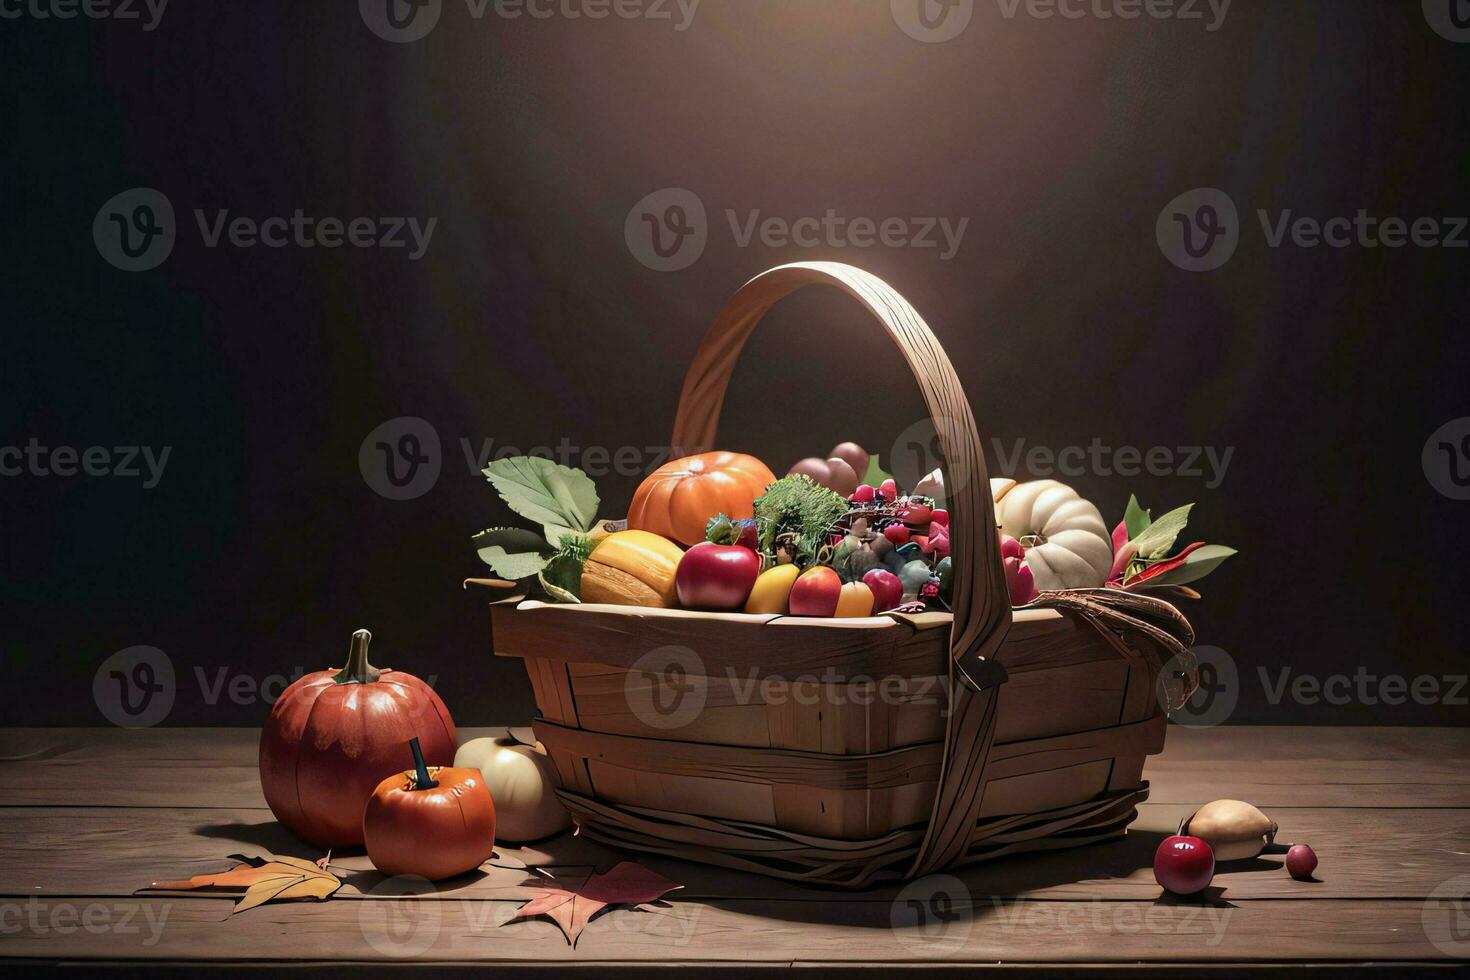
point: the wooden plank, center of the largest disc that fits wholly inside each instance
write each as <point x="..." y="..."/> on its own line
<point x="1279" y="766"/>
<point x="788" y="646"/>
<point x="972" y="930"/>
<point x="1365" y="853"/>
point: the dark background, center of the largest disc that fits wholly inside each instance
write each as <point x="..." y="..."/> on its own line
<point x="529" y="320"/>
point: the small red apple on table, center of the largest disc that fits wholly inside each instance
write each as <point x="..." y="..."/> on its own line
<point x="1184" y="865"/>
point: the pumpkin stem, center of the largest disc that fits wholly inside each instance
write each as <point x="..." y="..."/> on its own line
<point x="422" y="780"/>
<point x="358" y="670"/>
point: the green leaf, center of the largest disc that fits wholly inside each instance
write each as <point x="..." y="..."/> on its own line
<point x="1201" y="562"/>
<point x="545" y="492"/>
<point x="1135" y="518"/>
<point x="556" y="591"/>
<point x="513" y="552"/>
<point x="562" y="576"/>
<point x="555" y="532"/>
<point x="875" y="475"/>
<point x="1156" y="540"/>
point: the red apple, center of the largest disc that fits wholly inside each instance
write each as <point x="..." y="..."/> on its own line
<point x="1184" y="865"/>
<point x="815" y="592"/>
<point x="887" y="589"/>
<point x="898" y="534"/>
<point x="863" y="494"/>
<point x="716" y="576"/>
<point x="1301" y="861"/>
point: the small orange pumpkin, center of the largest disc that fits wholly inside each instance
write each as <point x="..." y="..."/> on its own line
<point x="678" y="499"/>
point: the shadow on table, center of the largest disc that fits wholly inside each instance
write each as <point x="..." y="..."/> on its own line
<point x="266" y="834"/>
<point x="999" y="889"/>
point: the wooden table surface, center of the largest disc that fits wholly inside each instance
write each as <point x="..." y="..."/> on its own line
<point x="88" y="816"/>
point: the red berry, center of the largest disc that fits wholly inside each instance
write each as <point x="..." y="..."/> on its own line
<point x="897" y="533"/>
<point x="1184" y="865"/>
<point x="939" y="516"/>
<point x="889" y="489"/>
<point x="1301" y="861"/>
<point x="863" y="494"/>
<point x="918" y="515"/>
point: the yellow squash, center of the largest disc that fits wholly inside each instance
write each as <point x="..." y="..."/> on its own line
<point x="632" y="568"/>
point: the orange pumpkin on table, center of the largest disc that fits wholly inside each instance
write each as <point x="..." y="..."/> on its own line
<point x="678" y="499"/>
<point x="432" y="822"/>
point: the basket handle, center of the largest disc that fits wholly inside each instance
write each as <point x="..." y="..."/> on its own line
<point x="981" y="603"/>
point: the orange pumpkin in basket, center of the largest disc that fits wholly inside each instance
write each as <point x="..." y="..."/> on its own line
<point x="678" y="499"/>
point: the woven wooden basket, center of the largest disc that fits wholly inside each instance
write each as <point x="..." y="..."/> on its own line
<point x="843" y="752"/>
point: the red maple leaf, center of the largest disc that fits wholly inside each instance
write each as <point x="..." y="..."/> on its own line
<point x="627" y="883"/>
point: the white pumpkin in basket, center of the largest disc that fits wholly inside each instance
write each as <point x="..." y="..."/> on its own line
<point x="1067" y="544"/>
